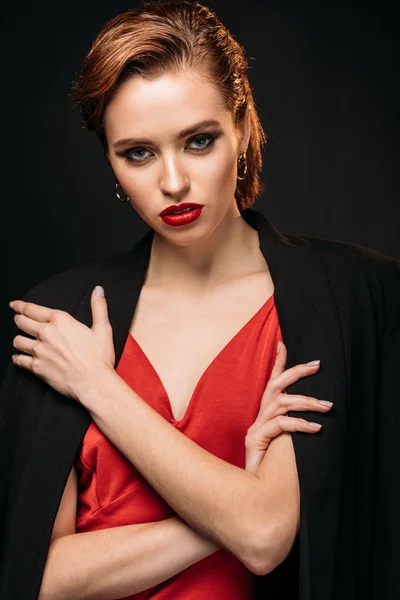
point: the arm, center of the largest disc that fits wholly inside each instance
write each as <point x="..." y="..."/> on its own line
<point x="116" y="562"/>
<point x="238" y="510"/>
<point x="176" y="546"/>
<point x="253" y="515"/>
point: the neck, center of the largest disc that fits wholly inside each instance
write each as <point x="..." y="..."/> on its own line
<point x="229" y="252"/>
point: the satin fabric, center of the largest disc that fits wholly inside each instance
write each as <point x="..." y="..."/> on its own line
<point x="223" y="405"/>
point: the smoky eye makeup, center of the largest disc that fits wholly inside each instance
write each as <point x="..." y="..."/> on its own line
<point x="202" y="136"/>
<point x="198" y="143"/>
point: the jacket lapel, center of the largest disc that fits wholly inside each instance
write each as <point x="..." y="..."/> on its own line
<point x="311" y="329"/>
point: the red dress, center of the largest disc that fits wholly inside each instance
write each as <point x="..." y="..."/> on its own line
<point x="224" y="403"/>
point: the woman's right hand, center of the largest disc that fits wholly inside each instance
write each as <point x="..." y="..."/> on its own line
<point x="272" y="419"/>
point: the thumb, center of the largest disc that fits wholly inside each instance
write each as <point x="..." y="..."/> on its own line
<point x="99" y="307"/>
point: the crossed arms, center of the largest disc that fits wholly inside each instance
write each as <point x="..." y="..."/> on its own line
<point x="253" y="515"/>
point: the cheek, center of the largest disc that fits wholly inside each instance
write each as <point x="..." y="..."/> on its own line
<point x="219" y="171"/>
<point x="136" y="182"/>
<point x="222" y="175"/>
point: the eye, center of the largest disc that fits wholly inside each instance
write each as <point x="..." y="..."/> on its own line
<point x="131" y="156"/>
<point x="138" y="154"/>
<point x="204" y="137"/>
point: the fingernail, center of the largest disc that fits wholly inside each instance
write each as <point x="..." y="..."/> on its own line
<point x="99" y="291"/>
<point x="316" y="425"/>
<point x="278" y="347"/>
<point x="313" y="362"/>
<point x="11" y="304"/>
<point x="325" y="402"/>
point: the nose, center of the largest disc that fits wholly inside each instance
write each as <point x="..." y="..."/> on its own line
<point x="174" y="180"/>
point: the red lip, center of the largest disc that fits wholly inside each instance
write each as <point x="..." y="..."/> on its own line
<point x="179" y="207"/>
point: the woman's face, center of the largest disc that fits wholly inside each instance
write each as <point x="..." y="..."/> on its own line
<point x="160" y="163"/>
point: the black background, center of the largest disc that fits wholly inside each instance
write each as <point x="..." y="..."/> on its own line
<point x="326" y="84"/>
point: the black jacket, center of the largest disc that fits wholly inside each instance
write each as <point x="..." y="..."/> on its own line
<point x="337" y="302"/>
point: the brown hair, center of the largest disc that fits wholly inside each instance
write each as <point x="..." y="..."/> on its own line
<point x="161" y="36"/>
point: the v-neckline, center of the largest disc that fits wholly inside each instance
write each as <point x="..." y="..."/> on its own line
<point x="206" y="370"/>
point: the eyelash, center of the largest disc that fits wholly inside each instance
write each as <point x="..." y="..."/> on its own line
<point x="210" y="136"/>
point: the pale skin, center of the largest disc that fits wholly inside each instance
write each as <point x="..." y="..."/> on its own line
<point x="252" y="512"/>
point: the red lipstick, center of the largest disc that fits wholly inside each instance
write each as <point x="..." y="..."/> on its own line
<point x="183" y="214"/>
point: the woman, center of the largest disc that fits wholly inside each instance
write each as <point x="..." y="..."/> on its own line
<point x="165" y="89"/>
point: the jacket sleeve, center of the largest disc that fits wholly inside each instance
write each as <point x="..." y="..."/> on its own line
<point x="17" y="384"/>
<point x="39" y="436"/>
<point x="386" y="525"/>
<point x="10" y="386"/>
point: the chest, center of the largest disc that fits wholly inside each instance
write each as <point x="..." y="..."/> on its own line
<point x="181" y="337"/>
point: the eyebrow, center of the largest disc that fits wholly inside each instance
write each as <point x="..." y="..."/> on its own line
<point x="184" y="133"/>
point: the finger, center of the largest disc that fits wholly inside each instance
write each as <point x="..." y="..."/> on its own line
<point x="262" y="436"/>
<point x="290" y="376"/>
<point x="25" y="344"/>
<point x="281" y="404"/>
<point x="280" y="361"/>
<point x="39" y="313"/>
<point x="28" y="325"/>
<point x="23" y="360"/>
<point x="297" y="402"/>
<point x="99" y="307"/>
<point x="285" y="423"/>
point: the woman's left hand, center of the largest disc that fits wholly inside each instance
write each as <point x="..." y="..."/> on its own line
<point x="65" y="353"/>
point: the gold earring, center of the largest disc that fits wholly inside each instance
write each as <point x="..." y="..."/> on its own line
<point x="241" y="162"/>
<point x="117" y="185"/>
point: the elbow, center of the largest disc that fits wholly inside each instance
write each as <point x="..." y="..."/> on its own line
<point x="257" y="560"/>
<point x="265" y="550"/>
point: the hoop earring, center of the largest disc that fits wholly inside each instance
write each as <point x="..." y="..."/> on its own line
<point x="118" y="196"/>
<point x="241" y="162"/>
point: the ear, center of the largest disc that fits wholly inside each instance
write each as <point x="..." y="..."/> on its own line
<point x="245" y="131"/>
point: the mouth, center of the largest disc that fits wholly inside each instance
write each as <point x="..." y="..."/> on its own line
<point x="180" y="209"/>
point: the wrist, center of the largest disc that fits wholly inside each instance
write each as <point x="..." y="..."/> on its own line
<point x="96" y="390"/>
